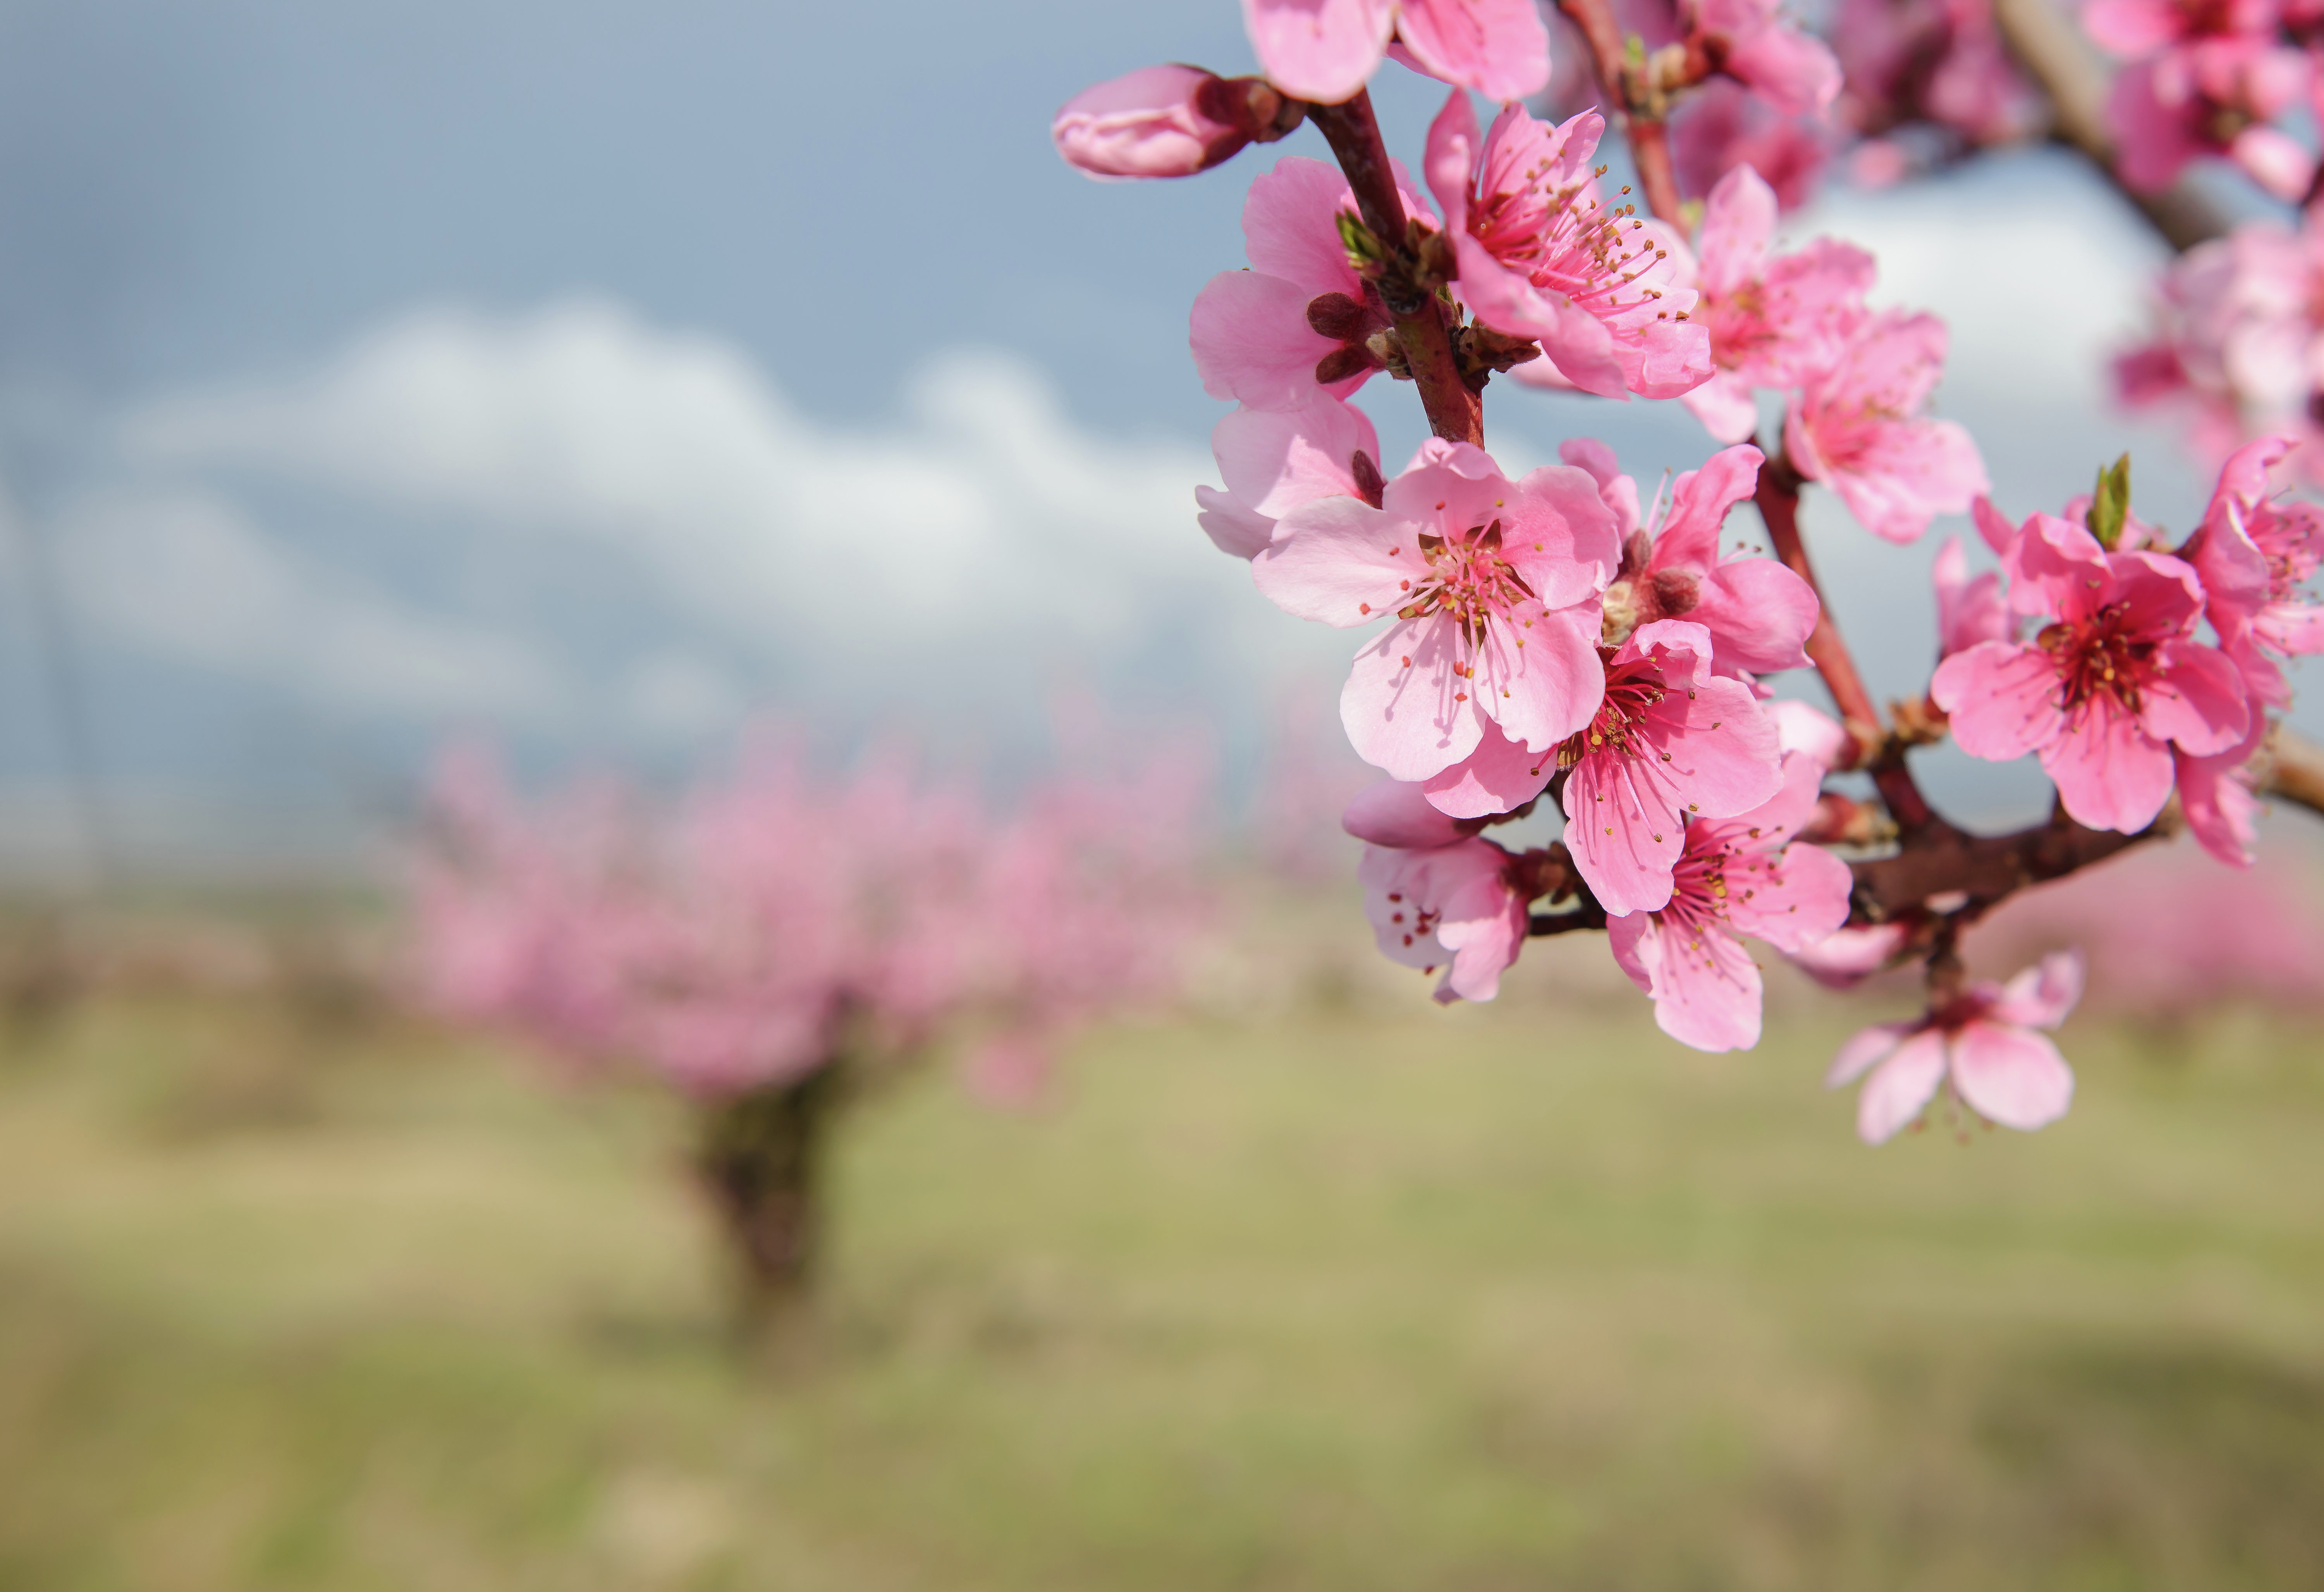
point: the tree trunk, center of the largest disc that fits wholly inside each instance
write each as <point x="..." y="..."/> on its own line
<point x="761" y="1162"/>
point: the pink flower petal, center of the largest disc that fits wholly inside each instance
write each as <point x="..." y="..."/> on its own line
<point x="1319" y="50"/>
<point x="1864" y="1047"/>
<point x="1392" y="813"/>
<point x="2002" y="697"/>
<point x="1411" y="720"/>
<point x="2199" y="703"/>
<point x="2010" y="1076"/>
<point x="1900" y="1087"/>
<point x="1338" y="561"/>
<point x="1497" y="47"/>
<point x="2110" y="774"/>
<point x="1252" y="343"/>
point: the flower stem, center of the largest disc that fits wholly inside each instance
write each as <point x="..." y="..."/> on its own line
<point x="1456" y="412"/>
<point x="1623" y="81"/>
<point x="1778" y="498"/>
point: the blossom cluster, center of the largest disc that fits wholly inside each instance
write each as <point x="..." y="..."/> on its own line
<point x="778" y="921"/>
<point x="2209" y="78"/>
<point x="1556" y="635"/>
<point x="2237" y="349"/>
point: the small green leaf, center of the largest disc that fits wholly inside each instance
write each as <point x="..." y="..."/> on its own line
<point x="1364" y="248"/>
<point x="2110" y="503"/>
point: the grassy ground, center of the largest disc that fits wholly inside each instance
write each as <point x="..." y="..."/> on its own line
<point x="1363" y="1297"/>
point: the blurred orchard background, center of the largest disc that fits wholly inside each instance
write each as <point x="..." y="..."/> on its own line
<point x="618" y="385"/>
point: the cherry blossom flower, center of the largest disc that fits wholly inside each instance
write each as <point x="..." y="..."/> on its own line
<point x="1721" y="125"/>
<point x="1918" y="69"/>
<point x="1758" y="612"/>
<point x="2108" y="687"/>
<point x="1492" y="588"/>
<point x="1981" y="1042"/>
<point x="1326" y="51"/>
<point x="1737" y="876"/>
<point x="2214" y="96"/>
<point x="2135" y="28"/>
<point x="1773" y="323"/>
<point x="2237" y="347"/>
<point x="1848" y="956"/>
<point x="1858" y="429"/>
<point x="1165" y="121"/>
<point x="1273" y="460"/>
<point x="2256" y="554"/>
<point x="1969" y="609"/>
<point x="1811" y="732"/>
<point x="1436" y="895"/>
<point x="1298" y="318"/>
<point x="1539" y="255"/>
<point x="1793" y="72"/>
<point x="1670" y="742"/>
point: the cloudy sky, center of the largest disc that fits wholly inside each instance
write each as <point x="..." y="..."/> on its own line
<point x="600" y="372"/>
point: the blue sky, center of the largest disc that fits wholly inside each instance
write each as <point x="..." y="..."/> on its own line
<point x="602" y="372"/>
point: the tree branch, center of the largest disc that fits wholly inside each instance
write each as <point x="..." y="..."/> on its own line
<point x="2061" y="60"/>
<point x="1456" y="412"/>
<point x="1778" y="496"/>
<point x="2293" y="769"/>
<point x="1984" y="870"/>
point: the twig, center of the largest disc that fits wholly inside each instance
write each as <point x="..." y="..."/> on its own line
<point x="2057" y="56"/>
<point x="2293" y="769"/>
<point x="1777" y="495"/>
<point x="1456" y="410"/>
<point x="1626" y="90"/>
<point x="1986" y="869"/>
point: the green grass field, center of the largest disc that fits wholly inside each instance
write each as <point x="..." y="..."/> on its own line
<point x="1352" y="1295"/>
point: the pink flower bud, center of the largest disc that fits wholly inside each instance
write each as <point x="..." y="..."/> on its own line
<point x="1165" y="121"/>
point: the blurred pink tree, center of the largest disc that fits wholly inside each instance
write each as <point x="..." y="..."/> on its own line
<point x="781" y="939"/>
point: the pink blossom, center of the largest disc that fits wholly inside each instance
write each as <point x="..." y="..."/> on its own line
<point x="2214" y="96"/>
<point x="1436" y="895"/>
<point x="1773" y="323"/>
<point x="2108" y="688"/>
<point x="1737" y="876"/>
<point x="2217" y="795"/>
<point x="1492" y="587"/>
<point x="2238" y="346"/>
<point x="1326" y="51"/>
<point x="778" y="918"/>
<point x="1670" y="740"/>
<point x="1858" y="427"/>
<point x="1968" y="610"/>
<point x="1793" y="72"/>
<point x="1848" y="956"/>
<point x="1165" y="121"/>
<point x="1982" y="1042"/>
<point x="1539" y="256"/>
<point x="1929" y="64"/>
<point x="2135" y="28"/>
<point x="1811" y="732"/>
<point x="1273" y="460"/>
<point x="1721" y="125"/>
<point x="2256" y="554"/>
<point x="1298" y="318"/>
<point x="1758" y="612"/>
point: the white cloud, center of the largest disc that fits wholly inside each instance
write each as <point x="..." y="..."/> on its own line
<point x="188" y="574"/>
<point x="986" y="512"/>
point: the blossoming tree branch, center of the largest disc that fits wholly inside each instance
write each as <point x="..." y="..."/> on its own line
<point x="1563" y="636"/>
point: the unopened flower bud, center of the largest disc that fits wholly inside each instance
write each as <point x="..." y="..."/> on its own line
<point x="1165" y="121"/>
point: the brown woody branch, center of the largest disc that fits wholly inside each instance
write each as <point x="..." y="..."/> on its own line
<point x="1456" y="410"/>
<point x="2063" y="63"/>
